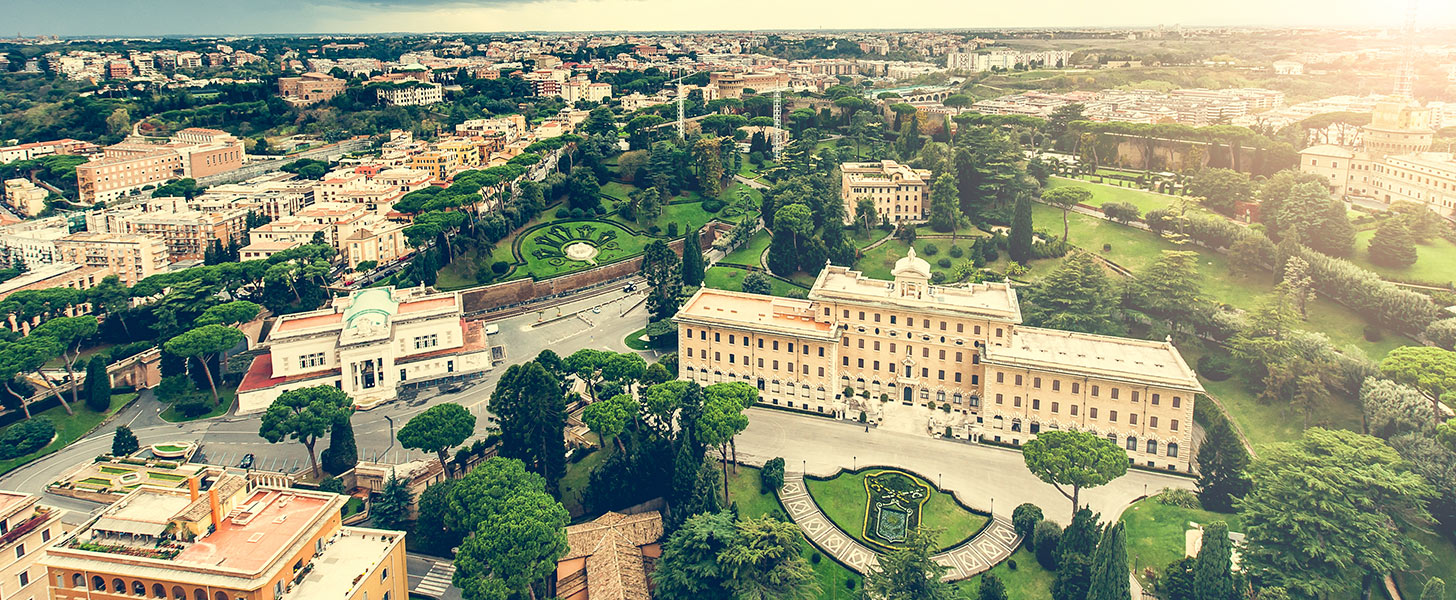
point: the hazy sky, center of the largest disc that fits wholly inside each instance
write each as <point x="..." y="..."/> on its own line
<point x="152" y="17"/>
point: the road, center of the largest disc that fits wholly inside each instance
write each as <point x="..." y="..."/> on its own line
<point x="977" y="474"/>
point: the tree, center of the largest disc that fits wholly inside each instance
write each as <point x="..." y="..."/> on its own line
<point x="583" y="191"/>
<point x="1020" y="244"/>
<point x="304" y="415"/>
<point x="438" y="429"/>
<point x="864" y="212"/>
<point x="692" y="260"/>
<point x="1429" y="369"/>
<point x="1393" y="245"/>
<point x="991" y="588"/>
<point x="1074" y="557"/>
<point x="764" y="563"/>
<point x="230" y="313"/>
<point x="1296" y="284"/>
<point x="1221" y="189"/>
<point x="1336" y="234"/>
<point x="1045" y="539"/>
<point x="945" y="210"/>
<point x="660" y="266"/>
<point x="529" y="403"/>
<point x="1170" y="288"/>
<point x="689" y="568"/>
<point x="68" y="333"/>
<point x="1327" y="507"/>
<point x="908" y="573"/>
<point x="1222" y="461"/>
<point x="1435" y="589"/>
<point x="1065" y="198"/>
<point x="98" y="385"/>
<point x="1074" y="459"/>
<point x="515" y="546"/>
<point x="1077" y="296"/>
<point x="342" y="453"/>
<point x="609" y="418"/>
<point x="1109" y="567"/>
<point x="1176" y="581"/>
<point x="757" y="283"/>
<point x="202" y="343"/>
<point x="1392" y="408"/>
<point x="1213" y="577"/>
<point x="390" y="506"/>
<point x="124" y="443"/>
<point x="1251" y="254"/>
<point x="723" y="418"/>
<point x="1024" y="519"/>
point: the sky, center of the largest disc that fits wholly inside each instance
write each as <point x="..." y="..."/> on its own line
<point x="201" y="17"/>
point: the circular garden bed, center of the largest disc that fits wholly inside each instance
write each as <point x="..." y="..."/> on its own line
<point x="879" y="507"/>
<point x="567" y="246"/>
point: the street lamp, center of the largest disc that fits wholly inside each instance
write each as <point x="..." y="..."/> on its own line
<point x="803" y="467"/>
<point x="391" y="435"/>
<point x="854" y="463"/>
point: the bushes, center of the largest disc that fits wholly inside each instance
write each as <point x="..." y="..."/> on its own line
<point x="1122" y="212"/>
<point x="1443" y="333"/>
<point x="1025" y="519"/>
<point x="771" y="477"/>
<point x="1365" y="293"/>
<point x="1373" y="334"/>
<point x="25" y="437"/>
<point x="562" y="213"/>
<point x="1216" y="367"/>
<point x="956" y="251"/>
<point x="1178" y="497"/>
<point x="1045" y="540"/>
<point x="944" y="263"/>
<point x="931" y="250"/>
<point x="712" y="205"/>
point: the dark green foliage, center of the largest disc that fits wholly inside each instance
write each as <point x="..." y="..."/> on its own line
<point x="1045" y="539"/>
<point x="25" y="437"/>
<point x="1176" y="581"/>
<point x="1109" y="566"/>
<point x="992" y="588"/>
<point x="1077" y="296"/>
<point x="1020" y="245"/>
<point x="124" y="442"/>
<point x="1025" y="518"/>
<point x="757" y="283"/>
<point x="1393" y="245"/>
<point x="532" y="412"/>
<point x="342" y="454"/>
<point x="1213" y="577"/>
<point x="1222" y="460"/>
<point x="1074" y="557"/>
<point x="692" y="261"/>
<point x="98" y="385"/>
<point x="771" y="477"/>
<point x="391" y="505"/>
<point x="1216" y="367"/>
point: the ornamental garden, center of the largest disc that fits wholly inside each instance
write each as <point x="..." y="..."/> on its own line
<point x="879" y="507"/>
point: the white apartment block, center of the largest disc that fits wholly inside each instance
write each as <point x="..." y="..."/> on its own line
<point x="412" y="94"/>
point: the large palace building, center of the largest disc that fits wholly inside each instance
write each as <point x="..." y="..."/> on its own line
<point x="912" y="343"/>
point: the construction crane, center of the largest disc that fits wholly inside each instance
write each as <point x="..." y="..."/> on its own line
<point x="778" y="116"/>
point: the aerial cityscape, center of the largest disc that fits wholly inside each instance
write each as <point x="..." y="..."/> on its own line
<point x="639" y="299"/>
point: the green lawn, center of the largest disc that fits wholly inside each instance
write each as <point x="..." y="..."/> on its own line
<point x="634" y="340"/>
<point x="1144" y="200"/>
<point x="749" y="253"/>
<point x="831" y="576"/>
<point x="731" y="279"/>
<point x="1265" y="423"/>
<point x="1028" y="581"/>
<point x="1155" y="532"/>
<point x="618" y="190"/>
<point x="844" y="500"/>
<point x="578" y="474"/>
<point x="227" y="396"/>
<point x="879" y="261"/>
<point x="1436" y="263"/>
<point x="541" y="247"/>
<point x="1442" y="564"/>
<point x="861" y="238"/>
<point x="69" y="428"/>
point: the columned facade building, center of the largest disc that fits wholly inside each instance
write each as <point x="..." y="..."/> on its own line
<point x="858" y="341"/>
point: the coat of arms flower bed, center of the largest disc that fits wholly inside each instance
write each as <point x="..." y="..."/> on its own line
<point x="894" y="502"/>
<point x="880" y="506"/>
<point x="553" y="244"/>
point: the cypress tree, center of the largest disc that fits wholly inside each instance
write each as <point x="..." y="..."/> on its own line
<point x="1020" y="244"/>
<point x="692" y="260"/>
<point x="1074" y="565"/>
<point x="342" y="454"/>
<point x="98" y="385"/>
<point x="1213" y="577"/>
<point x="124" y="442"/>
<point x="1109" y="567"/>
<point x="1336" y="235"/>
<point x="1221" y="463"/>
<point x="1393" y="245"/>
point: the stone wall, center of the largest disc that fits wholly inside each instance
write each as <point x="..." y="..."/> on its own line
<point x="500" y="296"/>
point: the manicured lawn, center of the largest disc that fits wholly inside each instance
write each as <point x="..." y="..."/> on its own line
<point x="750" y="251"/>
<point x="1155" y="532"/>
<point x="618" y="190"/>
<point x="82" y="357"/>
<point x="1144" y="200"/>
<point x="69" y="428"/>
<point x="578" y="474"/>
<point x="844" y="500"/>
<point x="1436" y="263"/>
<point x="731" y="279"/>
<point x="861" y="238"/>
<point x="634" y="340"/>
<point x="1442" y="564"/>
<point x="227" y="396"/>
<point x="879" y="261"/>
<point x="1028" y="581"/>
<point x="542" y="248"/>
<point x="829" y="575"/>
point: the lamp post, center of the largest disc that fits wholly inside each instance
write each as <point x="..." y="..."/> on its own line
<point x="391" y="434"/>
<point x="803" y="467"/>
<point x="854" y="463"/>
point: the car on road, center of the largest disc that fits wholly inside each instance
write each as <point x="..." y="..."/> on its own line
<point x="630" y="288"/>
<point x="492" y="329"/>
<point x="451" y="389"/>
<point x="247" y="462"/>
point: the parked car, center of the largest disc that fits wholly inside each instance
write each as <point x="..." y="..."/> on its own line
<point x="492" y="329"/>
<point x="247" y="462"/>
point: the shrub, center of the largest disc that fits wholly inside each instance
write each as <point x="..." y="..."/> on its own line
<point x="956" y="251"/>
<point x="815" y="558"/>
<point x="944" y="263"/>
<point x="1373" y="334"/>
<point x="1122" y="212"/>
<point x="1024" y="519"/>
<point x="849" y="584"/>
<point x="562" y="213"/>
<point x="1178" y="497"/>
<point x="757" y="283"/>
<point x="863" y="417"/>
<point x="1045" y="539"/>
<point x="1107" y="247"/>
<point x="672" y="229"/>
<point x="500" y="267"/>
<point x="771" y="477"/>
<point x="25" y="437"/>
<point x="937" y="277"/>
<point x="1011" y="564"/>
<point x="577" y="213"/>
<point x="1443" y="333"/>
<point x="931" y="250"/>
<point x="712" y="205"/>
<point x="1216" y="367"/>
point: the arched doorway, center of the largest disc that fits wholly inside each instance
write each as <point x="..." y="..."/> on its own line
<point x="908" y="396"/>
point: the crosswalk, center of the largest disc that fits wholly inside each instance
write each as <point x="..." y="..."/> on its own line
<point x="436" y="581"/>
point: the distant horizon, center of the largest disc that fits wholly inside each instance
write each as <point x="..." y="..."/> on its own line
<point x="83" y="19"/>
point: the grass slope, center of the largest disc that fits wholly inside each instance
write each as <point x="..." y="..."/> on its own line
<point x="69" y="428"/>
<point x="844" y="500"/>
<point x="1155" y="532"/>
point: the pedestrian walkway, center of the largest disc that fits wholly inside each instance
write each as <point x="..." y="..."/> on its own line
<point x="990" y="546"/>
<point x="436" y="581"/>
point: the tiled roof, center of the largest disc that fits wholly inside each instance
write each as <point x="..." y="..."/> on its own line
<point x="612" y="545"/>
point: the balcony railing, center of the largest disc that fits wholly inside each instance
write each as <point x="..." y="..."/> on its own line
<point x="40" y="518"/>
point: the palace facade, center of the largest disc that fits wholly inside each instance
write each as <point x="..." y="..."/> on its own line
<point x="909" y="342"/>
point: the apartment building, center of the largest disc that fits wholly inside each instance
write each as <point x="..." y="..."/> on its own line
<point x="900" y="193"/>
<point x="368" y="344"/>
<point x="1392" y="163"/>
<point x="354" y="187"/>
<point x="374" y="238"/>
<point x="187" y="233"/>
<point x="131" y="258"/>
<point x="511" y="126"/>
<point x="26" y="198"/>
<point x="271" y="198"/>
<point x="914" y="343"/>
<point x="411" y="94"/>
<point x="310" y="88"/>
<point x="33" y="242"/>
<point x="233" y="541"/>
<point x="26" y="529"/>
<point x="129" y="167"/>
<point x="33" y="150"/>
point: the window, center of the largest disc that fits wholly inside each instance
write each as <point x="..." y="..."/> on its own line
<point x="1172" y="449"/>
<point x="1152" y="446"/>
<point x="1132" y="443"/>
<point x="1132" y="419"/>
<point x="1173" y="425"/>
<point x="1114" y="393"/>
<point x="1054" y="407"/>
<point x="1155" y="399"/>
<point x="384" y="574"/>
<point x="19" y="550"/>
<point x="942" y="325"/>
<point x="1092" y="412"/>
<point x="24" y="578"/>
<point x="309" y="361"/>
<point x="861" y="315"/>
<point x="1056" y="385"/>
<point x="1112" y="416"/>
<point x="1018" y="379"/>
<point x="1036" y="404"/>
<point x="1076" y="387"/>
<point x="877" y="317"/>
<point x="760" y="363"/>
<point x="1177" y="402"/>
<point x="731" y="339"/>
<point x="958" y="377"/>
<point x="877" y="345"/>
<point x="942" y="355"/>
<point x="1153" y="422"/>
<point x="846" y="361"/>
<point x="45" y="535"/>
<point x="760" y="343"/>
<point x="998" y="399"/>
<point x="960" y="327"/>
<point x="1074" y="410"/>
<point x="877" y="365"/>
<point x="1036" y="382"/>
<point x="791" y="347"/>
<point x="717" y="337"/>
<point x="892" y="319"/>
<point x="1094" y="391"/>
<point x="958" y="356"/>
<point x="1134" y="395"/>
<point x="1016" y="401"/>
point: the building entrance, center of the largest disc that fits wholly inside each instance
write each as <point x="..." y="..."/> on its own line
<point x="908" y="397"/>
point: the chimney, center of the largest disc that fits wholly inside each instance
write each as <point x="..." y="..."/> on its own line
<point x="192" y="485"/>
<point x="216" y="508"/>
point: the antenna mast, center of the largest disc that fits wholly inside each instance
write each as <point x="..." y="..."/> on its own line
<point x="778" y="114"/>
<point x="1405" y="80"/>
<point x="681" y="126"/>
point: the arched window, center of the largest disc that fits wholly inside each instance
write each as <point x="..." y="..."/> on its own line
<point x="138" y="588"/>
<point x="219" y="596"/>
<point x="1112" y="437"/>
<point x="97" y="583"/>
<point x="1016" y="424"/>
<point x="118" y="586"/>
<point x="1172" y="449"/>
<point x="1132" y="443"/>
<point x="1152" y="446"/>
<point x="158" y="591"/>
<point x="78" y="580"/>
<point x="199" y="594"/>
<point x="178" y="594"/>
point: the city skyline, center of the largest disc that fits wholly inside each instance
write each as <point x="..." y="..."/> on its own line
<point x="175" y="17"/>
